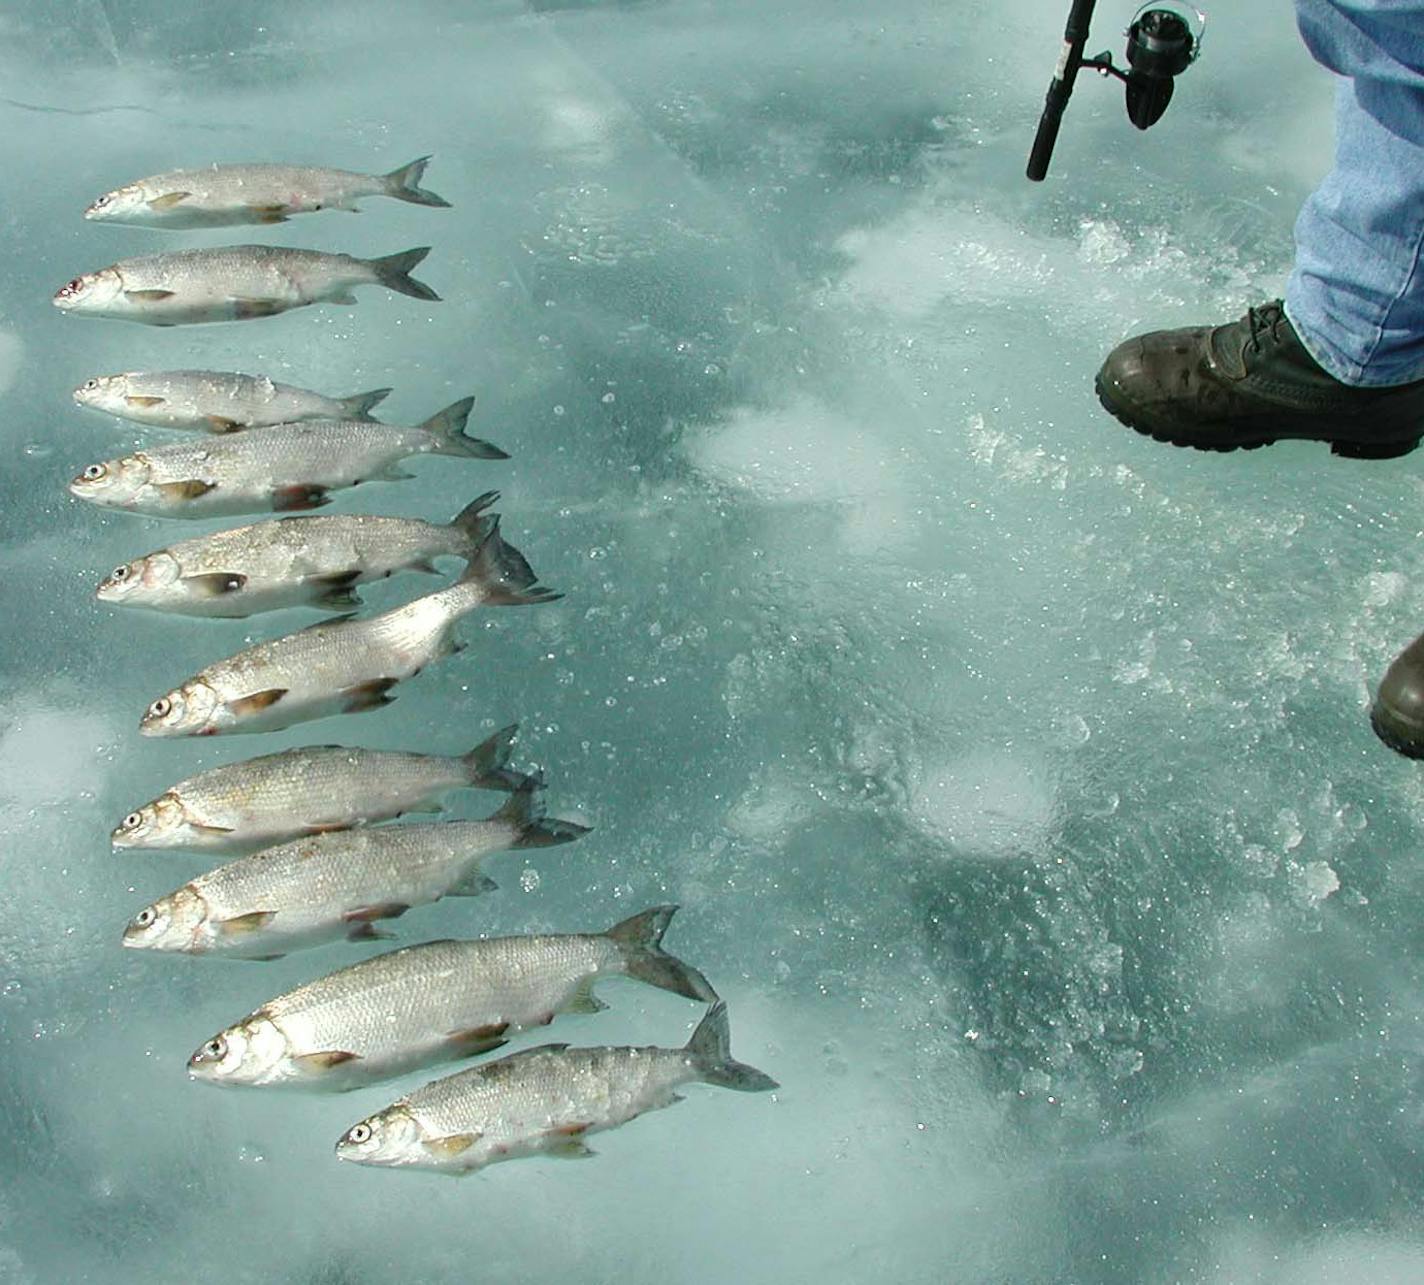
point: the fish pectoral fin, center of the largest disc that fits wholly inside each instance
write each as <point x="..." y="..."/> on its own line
<point x="344" y="296"/>
<point x="188" y="489"/>
<point x="215" y="584"/>
<point x="199" y="828"/>
<point x="370" y="695"/>
<point x="135" y="399"/>
<point x="148" y="296"/>
<point x="288" y="499"/>
<point x="425" y="565"/>
<point x="583" y="999"/>
<point x="451" y="1146"/>
<point x="168" y="200"/>
<point x="338" y="599"/>
<point x="318" y="1063"/>
<point x="243" y="309"/>
<point x="473" y="884"/>
<point x="326" y="827"/>
<point x="566" y="1141"/>
<point x="391" y="473"/>
<point x="221" y="424"/>
<point x="377" y="910"/>
<point x="268" y="213"/>
<point x="477" y="1039"/>
<point x="369" y="932"/>
<point x="257" y="702"/>
<point x="241" y="925"/>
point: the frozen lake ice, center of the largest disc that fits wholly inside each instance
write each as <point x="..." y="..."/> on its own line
<point x="1012" y="771"/>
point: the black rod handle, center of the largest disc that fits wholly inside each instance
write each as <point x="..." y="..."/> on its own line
<point x="1060" y="88"/>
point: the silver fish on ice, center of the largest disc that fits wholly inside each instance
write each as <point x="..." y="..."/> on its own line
<point x="216" y="401"/>
<point x="221" y="196"/>
<point x="343" y="665"/>
<point x="241" y="807"/>
<point x="234" y="283"/>
<point x="284" y="467"/>
<point x="435" y="1002"/>
<point x="336" y="885"/>
<point x="544" y="1101"/>
<point x="292" y="562"/>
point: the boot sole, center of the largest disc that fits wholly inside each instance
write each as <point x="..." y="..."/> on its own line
<point x="1344" y="449"/>
<point x="1411" y="749"/>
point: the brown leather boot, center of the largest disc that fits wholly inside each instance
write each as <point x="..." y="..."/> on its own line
<point x="1248" y="384"/>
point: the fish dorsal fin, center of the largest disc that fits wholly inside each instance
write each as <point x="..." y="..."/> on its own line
<point x="328" y="622"/>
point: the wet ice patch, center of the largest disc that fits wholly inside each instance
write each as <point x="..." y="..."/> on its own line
<point x="797" y="454"/>
<point x="12" y="353"/>
<point x="984" y="804"/>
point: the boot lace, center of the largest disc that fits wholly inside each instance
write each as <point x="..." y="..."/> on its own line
<point x="1267" y="319"/>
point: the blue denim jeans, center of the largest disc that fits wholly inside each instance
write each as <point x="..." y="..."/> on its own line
<point x="1356" y="296"/>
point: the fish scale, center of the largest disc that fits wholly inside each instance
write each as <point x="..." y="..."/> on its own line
<point x="438" y="988"/>
<point x="522" y="1096"/>
<point x="329" y="885"/>
<point x="314" y="881"/>
<point x="242" y="806"/>
<point x="217" y="401"/>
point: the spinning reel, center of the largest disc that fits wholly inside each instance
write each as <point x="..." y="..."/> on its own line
<point x="1162" y="42"/>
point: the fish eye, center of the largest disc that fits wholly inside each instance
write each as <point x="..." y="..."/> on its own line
<point x="91" y="384"/>
<point x="160" y="707"/>
<point x="94" y="472"/>
<point x="133" y="821"/>
<point x="145" y="917"/>
<point x="120" y="574"/>
<point x="76" y="285"/>
<point x="359" y="1133"/>
<point x="215" y="1048"/>
<point x="103" y="200"/>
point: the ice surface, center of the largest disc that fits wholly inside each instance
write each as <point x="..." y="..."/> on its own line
<point x="1011" y="770"/>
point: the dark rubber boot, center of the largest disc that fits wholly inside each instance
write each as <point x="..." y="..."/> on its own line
<point x="1398" y="712"/>
<point x="1248" y="384"/>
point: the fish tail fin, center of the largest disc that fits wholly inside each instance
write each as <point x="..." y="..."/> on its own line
<point x="710" y="1049"/>
<point x="360" y="405"/>
<point x="488" y="763"/>
<point x="473" y="522"/>
<point x="503" y="575"/>
<point x="639" y="940"/>
<point x="525" y="812"/>
<point x="404" y="184"/>
<point x="448" y="429"/>
<point x="393" y="271"/>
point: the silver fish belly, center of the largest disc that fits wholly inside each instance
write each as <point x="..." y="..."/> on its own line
<point x="291" y="562"/>
<point x="340" y="666"/>
<point x="336" y="885"/>
<point x="215" y="401"/>
<point x="544" y="1101"/>
<point x="232" y="195"/>
<point x="432" y="1003"/>
<point x="241" y="807"/>
<point x="233" y="283"/>
<point x="285" y="467"/>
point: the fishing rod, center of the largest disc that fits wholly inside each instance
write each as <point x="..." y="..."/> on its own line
<point x="1163" y="40"/>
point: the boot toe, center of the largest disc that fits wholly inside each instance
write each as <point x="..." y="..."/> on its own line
<point x="1398" y="711"/>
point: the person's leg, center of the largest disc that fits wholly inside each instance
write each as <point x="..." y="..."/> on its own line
<point x="1351" y="372"/>
<point x="1356" y="296"/>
